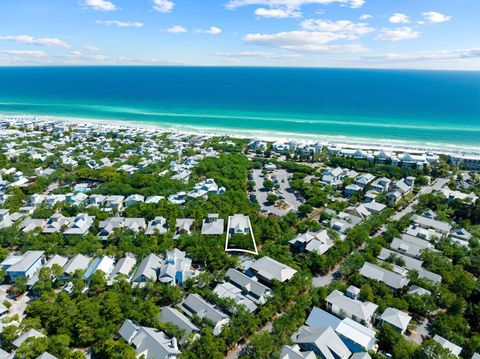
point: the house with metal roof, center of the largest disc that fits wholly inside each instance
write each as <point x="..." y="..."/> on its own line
<point x="295" y="352"/>
<point x="395" y="317"/>
<point x="55" y="224"/>
<point x="213" y="225"/>
<point x="357" y="337"/>
<point x="268" y="269"/>
<point x="157" y="225"/>
<point x="32" y="333"/>
<point x="453" y="348"/>
<point x="411" y="246"/>
<point x="195" y="305"/>
<point x="175" y="317"/>
<point x="134" y="199"/>
<point x="428" y="223"/>
<point x="24" y="265"/>
<point x="348" y="305"/>
<point x="183" y="226"/>
<point x="147" y="270"/>
<point x="317" y="242"/>
<point x="80" y="225"/>
<point x="176" y="268"/>
<point x="251" y="289"/>
<point x="123" y="267"/>
<point x="391" y="279"/>
<point x="55" y="260"/>
<point x="149" y="342"/>
<point x="239" y="224"/>
<point x="104" y="264"/>
<point x="79" y="262"/>
<point x="322" y="340"/>
<point x="243" y="290"/>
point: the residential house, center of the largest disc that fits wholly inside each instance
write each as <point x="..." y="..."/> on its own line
<point x="364" y="179"/>
<point x="104" y="264"/>
<point x="149" y="342"/>
<point x="403" y="187"/>
<point x="453" y="348"/>
<point x="76" y="199"/>
<point x="427" y="223"/>
<point x="147" y="270"/>
<point x="203" y="188"/>
<point x="348" y="305"/>
<point x="195" y="305"/>
<point x="36" y="200"/>
<point x="250" y="288"/>
<point x="178" y="198"/>
<point x="410" y="263"/>
<point x="154" y="199"/>
<point x="56" y="224"/>
<point x="457" y="195"/>
<point x="134" y="199"/>
<point x="175" y="317"/>
<point x="333" y="177"/>
<point x="157" y="225"/>
<point x="351" y="189"/>
<point x="357" y="337"/>
<point x="77" y="263"/>
<point x="55" y="260"/>
<point x="391" y="279"/>
<point x="80" y="225"/>
<point x="114" y="202"/>
<point x="96" y="200"/>
<point x="123" y="267"/>
<point x="108" y="226"/>
<point x="381" y="185"/>
<point x="461" y="236"/>
<point x="239" y="224"/>
<point x="52" y="199"/>
<point x="411" y="246"/>
<point x="398" y="319"/>
<point x="317" y="242"/>
<point x="213" y="225"/>
<point x="24" y="265"/>
<point x="183" y="226"/>
<point x="176" y="268"/>
<point x="323" y="341"/>
<point x="32" y="333"/>
<point x="268" y="269"/>
<point x="5" y="219"/>
<point x="295" y="352"/>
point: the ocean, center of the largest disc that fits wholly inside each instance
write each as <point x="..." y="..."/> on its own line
<point x="427" y="108"/>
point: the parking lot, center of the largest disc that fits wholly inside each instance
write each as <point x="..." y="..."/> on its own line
<point x="284" y="192"/>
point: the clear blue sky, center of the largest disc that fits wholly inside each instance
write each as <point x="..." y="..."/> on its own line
<point x="425" y="34"/>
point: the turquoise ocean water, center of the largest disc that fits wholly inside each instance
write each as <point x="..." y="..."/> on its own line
<point x="421" y="107"/>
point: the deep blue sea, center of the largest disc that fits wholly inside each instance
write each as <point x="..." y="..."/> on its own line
<point x="424" y="107"/>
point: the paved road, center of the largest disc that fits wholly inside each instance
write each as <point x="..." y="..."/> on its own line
<point x="437" y="185"/>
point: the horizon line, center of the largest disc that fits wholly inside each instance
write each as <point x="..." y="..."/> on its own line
<point x="237" y="67"/>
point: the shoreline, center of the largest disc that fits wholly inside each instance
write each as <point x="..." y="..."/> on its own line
<point x="363" y="143"/>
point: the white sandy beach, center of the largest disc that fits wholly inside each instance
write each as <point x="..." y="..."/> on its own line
<point x="342" y="141"/>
